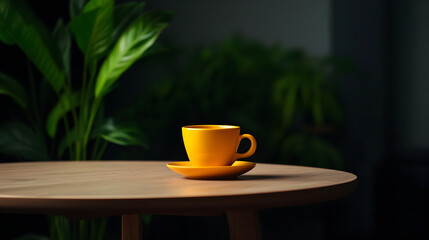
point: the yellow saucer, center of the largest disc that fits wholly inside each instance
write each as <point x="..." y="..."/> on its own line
<point x="211" y="172"/>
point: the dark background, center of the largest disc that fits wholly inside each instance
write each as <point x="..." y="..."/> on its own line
<point x="385" y="135"/>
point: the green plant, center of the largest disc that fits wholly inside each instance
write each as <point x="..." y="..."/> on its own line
<point x="305" y="98"/>
<point x="284" y="97"/>
<point x="111" y="38"/>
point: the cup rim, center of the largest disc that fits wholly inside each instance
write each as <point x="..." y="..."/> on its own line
<point x="210" y="127"/>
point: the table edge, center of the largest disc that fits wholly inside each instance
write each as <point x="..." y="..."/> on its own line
<point x="180" y="206"/>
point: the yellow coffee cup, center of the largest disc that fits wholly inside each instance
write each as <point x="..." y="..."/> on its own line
<point x="215" y="145"/>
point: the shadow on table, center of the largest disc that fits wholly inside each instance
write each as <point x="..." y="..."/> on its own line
<point x="255" y="177"/>
<point x="262" y="177"/>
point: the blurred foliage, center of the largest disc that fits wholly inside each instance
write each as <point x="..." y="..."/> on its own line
<point x="111" y="38"/>
<point x="284" y="97"/>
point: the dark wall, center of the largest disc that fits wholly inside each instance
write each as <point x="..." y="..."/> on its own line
<point x="410" y="49"/>
<point x="359" y="33"/>
<point x="292" y="23"/>
<point x="403" y="179"/>
<point x="386" y="133"/>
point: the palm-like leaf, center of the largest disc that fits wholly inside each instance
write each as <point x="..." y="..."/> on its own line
<point x="328" y="155"/>
<point x="67" y="102"/>
<point x="5" y="36"/>
<point x="20" y="140"/>
<point x="332" y="106"/>
<point x="318" y="84"/>
<point x="124" y="15"/>
<point x="66" y="142"/>
<point x="13" y="89"/>
<point x="93" y="28"/>
<point x="129" y="48"/>
<point x="289" y="106"/>
<point x="310" y="150"/>
<point x="124" y="134"/>
<point x="111" y="130"/>
<point x="63" y="39"/>
<point x="76" y="7"/>
<point x="18" y="25"/>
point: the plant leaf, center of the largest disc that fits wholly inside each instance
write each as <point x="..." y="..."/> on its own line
<point x="62" y="37"/>
<point x="332" y="107"/>
<point x="138" y="37"/>
<point x="124" y="134"/>
<point x="111" y="130"/>
<point x="64" y="143"/>
<point x="306" y="95"/>
<point x="328" y="155"/>
<point x="82" y="26"/>
<point x="317" y="110"/>
<point x="66" y="102"/>
<point x="292" y="147"/>
<point x="278" y="91"/>
<point x="123" y="15"/>
<point x="289" y="106"/>
<point x="20" y="140"/>
<point x="76" y="7"/>
<point x="72" y="137"/>
<point x="93" y="28"/>
<point x="5" y="35"/>
<point x="13" y="89"/>
<point x="19" y="25"/>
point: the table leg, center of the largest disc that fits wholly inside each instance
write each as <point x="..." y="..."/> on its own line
<point x="243" y="225"/>
<point x="131" y="227"/>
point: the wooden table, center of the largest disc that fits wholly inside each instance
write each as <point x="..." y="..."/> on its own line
<point x="129" y="188"/>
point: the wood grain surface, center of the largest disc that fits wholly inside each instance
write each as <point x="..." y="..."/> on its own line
<point x="103" y="188"/>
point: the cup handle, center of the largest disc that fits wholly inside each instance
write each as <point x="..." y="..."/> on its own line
<point x="251" y="150"/>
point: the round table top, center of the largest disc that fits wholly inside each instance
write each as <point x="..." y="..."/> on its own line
<point x="149" y="187"/>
